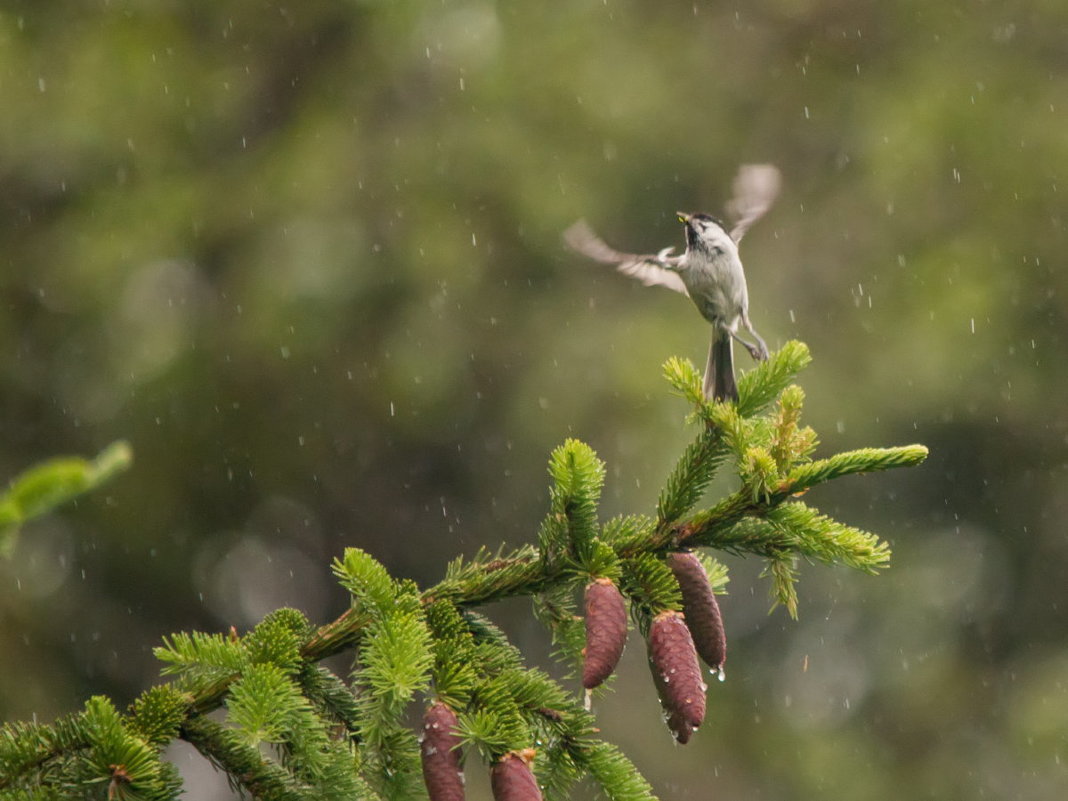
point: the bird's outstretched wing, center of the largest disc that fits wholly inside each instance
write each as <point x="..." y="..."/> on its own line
<point x="755" y="189"/>
<point x="651" y="270"/>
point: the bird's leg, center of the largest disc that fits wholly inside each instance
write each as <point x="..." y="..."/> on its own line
<point x="754" y="350"/>
<point x="759" y="351"/>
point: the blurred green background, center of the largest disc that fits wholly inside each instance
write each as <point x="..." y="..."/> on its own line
<point x="306" y="258"/>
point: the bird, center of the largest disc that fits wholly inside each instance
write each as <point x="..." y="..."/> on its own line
<point x="709" y="272"/>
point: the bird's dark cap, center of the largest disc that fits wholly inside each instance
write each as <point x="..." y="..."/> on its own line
<point x="686" y="218"/>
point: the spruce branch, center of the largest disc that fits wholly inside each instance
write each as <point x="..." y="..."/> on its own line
<point x="350" y="739"/>
<point x="616" y="774"/>
<point x="394" y="665"/>
<point x="245" y="767"/>
<point x="683" y="376"/>
<point x="366" y="579"/>
<point x="556" y="609"/>
<point x="263" y="703"/>
<point x="783" y="574"/>
<point x="131" y="766"/>
<point x="629" y="535"/>
<point x="761" y="385"/>
<point x="572" y="521"/>
<point x="651" y="586"/>
<point x="865" y="460"/>
<point x="486" y="578"/>
<point x="157" y="713"/>
<point x="332" y="698"/>
<point x="791" y="442"/>
<point x="811" y="534"/>
<point x="692" y="475"/>
<point x="27" y="749"/>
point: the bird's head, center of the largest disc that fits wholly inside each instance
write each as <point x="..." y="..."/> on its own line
<point x="704" y="232"/>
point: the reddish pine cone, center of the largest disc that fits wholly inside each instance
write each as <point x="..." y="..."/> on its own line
<point x="441" y="755"/>
<point x="606" y="631"/>
<point x="701" y="609"/>
<point x="512" y="780"/>
<point x="677" y="674"/>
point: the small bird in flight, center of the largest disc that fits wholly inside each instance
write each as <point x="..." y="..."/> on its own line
<point x="709" y="272"/>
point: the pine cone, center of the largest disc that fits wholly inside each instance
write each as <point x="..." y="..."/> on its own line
<point x="701" y="609"/>
<point x="606" y="631"/>
<point x="441" y="755"/>
<point x="512" y="780"/>
<point x="677" y="674"/>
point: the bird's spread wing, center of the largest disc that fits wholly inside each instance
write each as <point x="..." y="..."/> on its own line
<point x="651" y="270"/>
<point x="755" y="189"/>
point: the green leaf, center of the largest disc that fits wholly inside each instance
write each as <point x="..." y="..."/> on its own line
<point x="49" y="484"/>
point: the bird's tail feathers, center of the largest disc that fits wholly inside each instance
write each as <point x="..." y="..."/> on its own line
<point x="719" y="373"/>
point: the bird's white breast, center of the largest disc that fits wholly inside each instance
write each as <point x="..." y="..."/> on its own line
<point x="717" y="286"/>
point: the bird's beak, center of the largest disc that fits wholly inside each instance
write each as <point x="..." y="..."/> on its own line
<point x="683" y="216"/>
